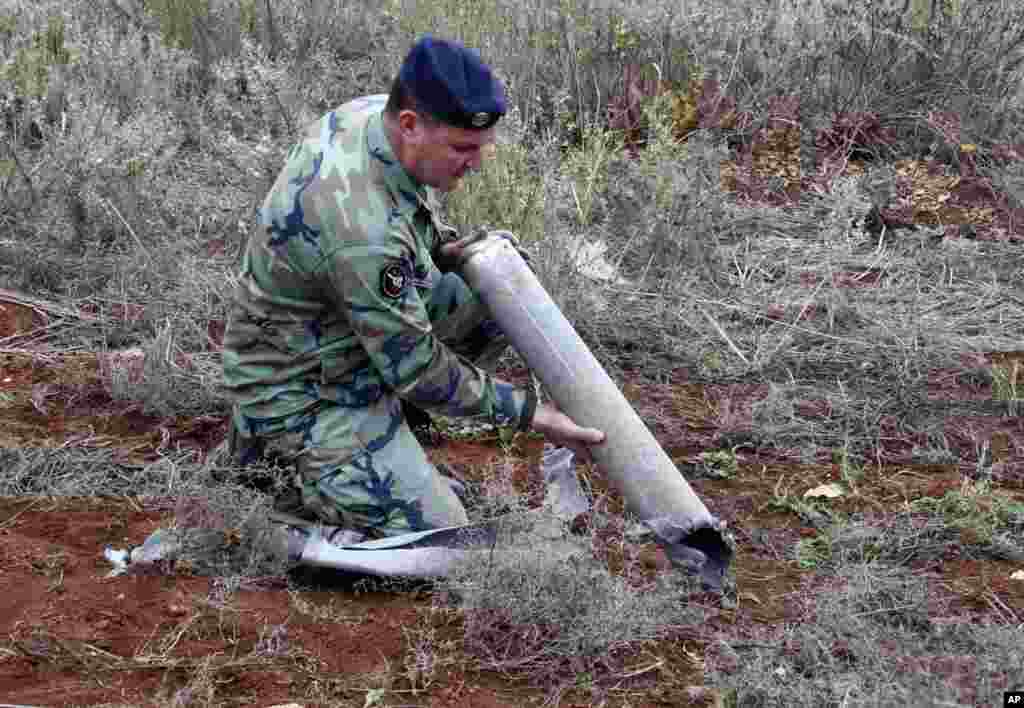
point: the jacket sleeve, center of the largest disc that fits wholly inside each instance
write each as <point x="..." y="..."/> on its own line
<point x="373" y="281"/>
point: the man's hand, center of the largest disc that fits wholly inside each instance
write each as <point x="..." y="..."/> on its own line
<point x="559" y="429"/>
<point x="451" y="253"/>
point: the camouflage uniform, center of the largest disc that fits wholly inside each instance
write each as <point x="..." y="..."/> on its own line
<point x="340" y="311"/>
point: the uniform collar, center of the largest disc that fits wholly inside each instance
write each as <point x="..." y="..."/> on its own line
<point x="409" y="194"/>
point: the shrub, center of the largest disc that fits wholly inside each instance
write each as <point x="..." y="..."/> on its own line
<point x="868" y="639"/>
<point x="163" y="378"/>
<point x="30" y="70"/>
<point x="509" y="192"/>
<point x="179" y="20"/>
<point x="976" y="510"/>
<point x="542" y="605"/>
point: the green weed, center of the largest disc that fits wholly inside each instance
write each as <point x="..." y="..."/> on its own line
<point x="587" y="168"/>
<point x="178" y="19"/>
<point x="813" y="552"/>
<point x="247" y="16"/>
<point x="975" y="509"/>
<point x="30" y="69"/>
<point x="508" y="192"/>
<point x="8" y="26"/>
<point x="849" y="472"/>
<point x="719" y="464"/>
<point x="813" y="512"/>
<point x="1008" y="384"/>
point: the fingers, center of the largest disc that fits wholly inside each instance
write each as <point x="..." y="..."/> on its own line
<point x="507" y="235"/>
<point x="553" y="423"/>
<point x="590" y="436"/>
<point x="453" y="249"/>
<point x="569" y="430"/>
<point x="577" y="439"/>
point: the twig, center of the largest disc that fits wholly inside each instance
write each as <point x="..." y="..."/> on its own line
<point x="992" y="599"/>
<point x="722" y="333"/>
<point x="24" y="173"/>
<point x="643" y="670"/>
<point x="752" y="645"/>
<point x="134" y="502"/>
<point x="285" y="115"/>
<point x="271" y="32"/>
<point x="130" y="229"/>
<point x="807" y="303"/>
<point x="883" y="610"/>
<point x="43" y="306"/>
<point x="579" y="207"/>
<point x="38" y="333"/>
<point x="759" y="316"/>
<point x="9" y="521"/>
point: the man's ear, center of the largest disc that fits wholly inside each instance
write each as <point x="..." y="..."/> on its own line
<point x="410" y="125"/>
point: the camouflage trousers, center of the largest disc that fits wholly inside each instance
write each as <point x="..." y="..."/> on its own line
<point x="388" y="487"/>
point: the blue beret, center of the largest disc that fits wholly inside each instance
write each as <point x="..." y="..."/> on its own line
<point x="451" y="83"/>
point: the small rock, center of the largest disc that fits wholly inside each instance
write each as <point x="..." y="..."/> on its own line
<point x="831" y="491"/>
<point x="1018" y="575"/>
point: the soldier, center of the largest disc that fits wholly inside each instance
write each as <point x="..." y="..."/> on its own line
<point x="347" y="304"/>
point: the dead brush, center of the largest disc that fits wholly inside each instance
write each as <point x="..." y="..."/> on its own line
<point x="221" y="528"/>
<point x="162" y="378"/>
<point x="867" y="624"/>
<point x="75" y="472"/>
<point x="430" y="648"/>
<point x="551" y="614"/>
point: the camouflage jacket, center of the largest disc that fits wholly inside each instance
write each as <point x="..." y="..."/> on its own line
<point x="329" y="301"/>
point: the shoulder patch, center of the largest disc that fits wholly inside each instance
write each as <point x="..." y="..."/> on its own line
<point x="393" y="280"/>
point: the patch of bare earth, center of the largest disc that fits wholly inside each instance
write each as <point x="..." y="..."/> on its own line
<point x="70" y="634"/>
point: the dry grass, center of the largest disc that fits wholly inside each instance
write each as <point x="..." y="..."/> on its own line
<point x="184" y="680"/>
<point x="869" y="640"/>
<point x="138" y="137"/>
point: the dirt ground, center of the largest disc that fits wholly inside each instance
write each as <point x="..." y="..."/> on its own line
<point x="71" y="635"/>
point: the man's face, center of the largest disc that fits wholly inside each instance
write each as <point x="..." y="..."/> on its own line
<point x="438" y="154"/>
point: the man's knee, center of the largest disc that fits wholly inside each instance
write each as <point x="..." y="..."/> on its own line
<point x="444" y="508"/>
<point x="388" y="486"/>
<point x="351" y="499"/>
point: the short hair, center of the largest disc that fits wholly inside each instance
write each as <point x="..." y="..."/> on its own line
<point x="401" y="99"/>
